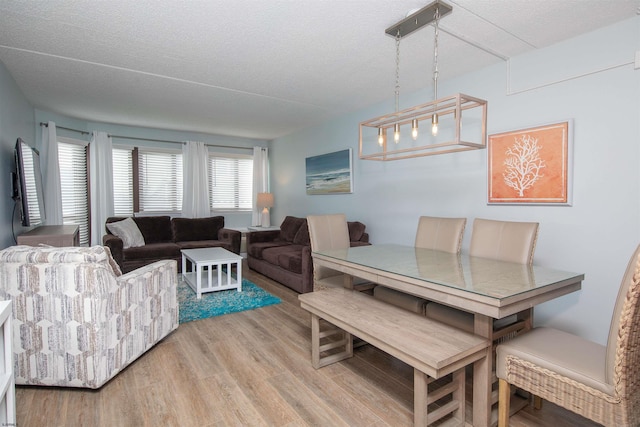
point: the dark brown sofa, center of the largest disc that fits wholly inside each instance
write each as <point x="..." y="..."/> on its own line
<point x="164" y="237"/>
<point x="285" y="255"/>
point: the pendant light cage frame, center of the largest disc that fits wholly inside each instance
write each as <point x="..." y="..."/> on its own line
<point x="455" y="105"/>
<point x="449" y="108"/>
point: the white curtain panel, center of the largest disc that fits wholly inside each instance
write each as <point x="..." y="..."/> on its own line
<point x="195" y="181"/>
<point x="50" y="167"/>
<point x="101" y="177"/>
<point x="260" y="180"/>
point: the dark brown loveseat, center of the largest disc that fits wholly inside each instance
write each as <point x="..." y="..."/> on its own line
<point x="285" y="255"/>
<point x="164" y="237"/>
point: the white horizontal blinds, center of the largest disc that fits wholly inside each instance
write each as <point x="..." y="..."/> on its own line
<point x="230" y="181"/>
<point x="74" y="185"/>
<point x="30" y="181"/>
<point x="160" y="180"/>
<point x="122" y="181"/>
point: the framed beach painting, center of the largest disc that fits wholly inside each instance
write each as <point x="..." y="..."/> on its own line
<point x="531" y="166"/>
<point x="330" y="173"/>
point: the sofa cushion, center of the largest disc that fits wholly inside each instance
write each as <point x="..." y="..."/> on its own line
<point x="192" y="229"/>
<point x="127" y="230"/>
<point x="356" y="230"/>
<point x="302" y="236"/>
<point x="256" y="249"/>
<point x="196" y="244"/>
<point x="272" y="255"/>
<point x="152" y="251"/>
<point x="154" y="229"/>
<point x="291" y="261"/>
<point x="290" y="227"/>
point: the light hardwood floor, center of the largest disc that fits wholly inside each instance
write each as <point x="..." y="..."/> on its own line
<point x="248" y="369"/>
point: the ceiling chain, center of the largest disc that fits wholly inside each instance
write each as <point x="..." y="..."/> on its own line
<point x="436" y="18"/>
<point x="397" y="70"/>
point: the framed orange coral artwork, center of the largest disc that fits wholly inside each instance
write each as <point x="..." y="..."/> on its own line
<point x="531" y="166"/>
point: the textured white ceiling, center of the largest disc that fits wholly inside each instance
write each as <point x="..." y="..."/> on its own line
<point x="259" y="68"/>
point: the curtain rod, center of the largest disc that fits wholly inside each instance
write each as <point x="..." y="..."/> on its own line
<point x="177" y="142"/>
<point x="84" y="132"/>
<point x="147" y="139"/>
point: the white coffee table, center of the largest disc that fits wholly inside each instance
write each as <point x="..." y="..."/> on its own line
<point x="204" y="262"/>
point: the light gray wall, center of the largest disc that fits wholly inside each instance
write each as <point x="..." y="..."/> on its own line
<point x="232" y="219"/>
<point x="595" y="236"/>
<point x="16" y="120"/>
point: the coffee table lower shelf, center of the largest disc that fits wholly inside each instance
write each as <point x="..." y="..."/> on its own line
<point x="214" y="283"/>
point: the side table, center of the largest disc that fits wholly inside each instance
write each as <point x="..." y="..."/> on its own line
<point x="52" y="235"/>
<point x="245" y="230"/>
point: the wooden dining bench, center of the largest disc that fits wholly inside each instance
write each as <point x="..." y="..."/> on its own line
<point x="432" y="348"/>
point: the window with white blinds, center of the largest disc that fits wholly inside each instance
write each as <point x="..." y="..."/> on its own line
<point x="160" y="180"/>
<point x="230" y="182"/>
<point x="74" y="185"/>
<point x="122" y="181"/>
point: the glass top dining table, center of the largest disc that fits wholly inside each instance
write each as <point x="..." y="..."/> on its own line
<point x="486" y="288"/>
<point x="497" y="288"/>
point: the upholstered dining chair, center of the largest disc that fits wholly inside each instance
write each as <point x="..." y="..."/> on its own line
<point x="442" y="234"/>
<point x="599" y="382"/>
<point x="504" y="240"/>
<point x="331" y="232"/>
<point x="439" y="233"/>
<point x="500" y="240"/>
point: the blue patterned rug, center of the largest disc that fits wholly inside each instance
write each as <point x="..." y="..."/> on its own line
<point x="221" y="302"/>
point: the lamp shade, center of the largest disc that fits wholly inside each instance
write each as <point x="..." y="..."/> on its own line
<point x="265" y="200"/>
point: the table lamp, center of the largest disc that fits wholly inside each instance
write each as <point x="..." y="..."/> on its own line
<point x="265" y="201"/>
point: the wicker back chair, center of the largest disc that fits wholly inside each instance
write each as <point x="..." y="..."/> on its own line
<point x="600" y="383"/>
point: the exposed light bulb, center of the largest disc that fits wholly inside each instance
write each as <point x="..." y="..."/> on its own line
<point x="434" y="124"/>
<point x="396" y="133"/>
<point x="380" y="137"/>
<point x="414" y="129"/>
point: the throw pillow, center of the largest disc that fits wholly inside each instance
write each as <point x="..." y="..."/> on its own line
<point x="128" y="231"/>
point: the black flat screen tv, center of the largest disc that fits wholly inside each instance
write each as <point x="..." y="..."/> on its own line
<point x="27" y="184"/>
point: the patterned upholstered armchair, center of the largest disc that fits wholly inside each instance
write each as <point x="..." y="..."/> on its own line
<point x="77" y="320"/>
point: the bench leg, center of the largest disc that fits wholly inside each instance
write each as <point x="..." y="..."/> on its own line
<point x="422" y="398"/>
<point x="420" y="383"/>
<point x="459" y="395"/>
<point x="344" y="342"/>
